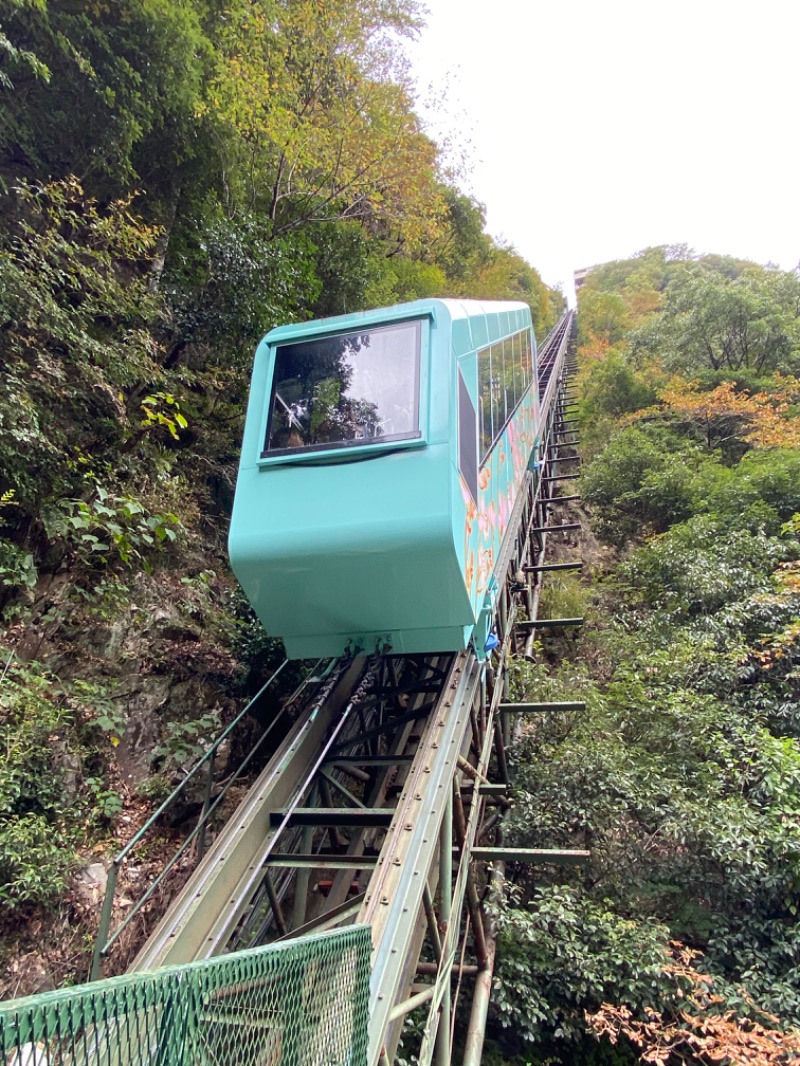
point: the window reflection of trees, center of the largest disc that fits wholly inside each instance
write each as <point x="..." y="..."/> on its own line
<point x="312" y="404"/>
<point x="485" y="395"/>
<point x="505" y="370"/>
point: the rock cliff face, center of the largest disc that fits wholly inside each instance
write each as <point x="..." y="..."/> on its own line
<point x="119" y="702"/>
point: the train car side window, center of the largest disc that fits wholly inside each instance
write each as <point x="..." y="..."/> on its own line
<point x="498" y="390"/>
<point x="467" y="439"/>
<point x="345" y="390"/>
<point x="526" y="356"/>
<point x="519" y="370"/>
<point x="485" y="398"/>
<point x="505" y="373"/>
<point x="512" y="392"/>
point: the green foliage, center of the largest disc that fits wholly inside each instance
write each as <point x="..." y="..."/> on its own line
<point x="107" y="802"/>
<point x="17" y="568"/>
<point x="236" y="286"/>
<point x="99" y="710"/>
<point x="505" y="275"/>
<point x="645" y="480"/>
<point x="54" y="789"/>
<point x="162" y="409"/>
<point x="699" y="567"/>
<point x="34" y="864"/>
<point x="613" y="388"/>
<point x="763" y="489"/>
<point x="712" y="321"/>
<point x="185" y="742"/>
<point x="320" y="115"/>
<point x="109" y="526"/>
<point x="413" y="280"/>
<point x="20" y="58"/>
<point x="564" y="953"/>
<point x="648" y="269"/>
<point x="685" y="801"/>
<point x="77" y="337"/>
<point x="36" y="841"/>
<point x="347" y="268"/>
<point x="682" y="776"/>
<point x="562" y="597"/>
<point x="465" y="247"/>
<point x="120" y="97"/>
<point x="648" y="478"/>
<point x="603" y="316"/>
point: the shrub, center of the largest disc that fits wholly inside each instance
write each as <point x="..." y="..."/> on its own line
<point x="641" y="484"/>
<point x="36" y="735"/>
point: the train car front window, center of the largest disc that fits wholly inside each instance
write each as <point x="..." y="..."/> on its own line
<point x="351" y="389"/>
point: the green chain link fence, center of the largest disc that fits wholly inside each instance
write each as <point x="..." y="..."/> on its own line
<point x="302" y="1003"/>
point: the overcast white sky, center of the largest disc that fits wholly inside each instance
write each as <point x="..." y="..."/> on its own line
<point x="674" y="122"/>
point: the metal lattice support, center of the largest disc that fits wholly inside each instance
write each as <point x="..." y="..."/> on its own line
<point x="303" y="1003"/>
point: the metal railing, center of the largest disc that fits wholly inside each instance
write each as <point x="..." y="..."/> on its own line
<point x="303" y="1003"/>
<point x="106" y="939"/>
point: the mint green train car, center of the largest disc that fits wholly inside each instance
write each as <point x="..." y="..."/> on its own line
<point x="382" y="456"/>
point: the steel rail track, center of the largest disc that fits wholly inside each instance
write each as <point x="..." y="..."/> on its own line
<point x="371" y="807"/>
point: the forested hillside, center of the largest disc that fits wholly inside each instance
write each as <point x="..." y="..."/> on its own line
<point x="680" y="940"/>
<point x="176" y="177"/>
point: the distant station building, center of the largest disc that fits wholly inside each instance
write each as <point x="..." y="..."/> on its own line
<point x="580" y="276"/>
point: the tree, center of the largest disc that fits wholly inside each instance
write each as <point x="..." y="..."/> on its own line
<point x="602" y="318"/>
<point x="613" y="388"/>
<point x="324" y="117"/>
<point x="507" y="276"/>
<point x="703" y="1031"/>
<point x="763" y="420"/>
<point x="84" y="388"/>
<point x="120" y="101"/>
<point x="715" y="322"/>
<point x="464" y="248"/>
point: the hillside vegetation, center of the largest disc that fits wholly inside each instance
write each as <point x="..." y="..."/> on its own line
<point x="680" y="940"/>
<point x="176" y="178"/>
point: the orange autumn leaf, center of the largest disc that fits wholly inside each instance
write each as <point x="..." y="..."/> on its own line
<point x="764" y="419"/>
<point x="704" y="1033"/>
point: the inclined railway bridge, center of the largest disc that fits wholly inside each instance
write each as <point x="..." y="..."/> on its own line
<point x="379" y="815"/>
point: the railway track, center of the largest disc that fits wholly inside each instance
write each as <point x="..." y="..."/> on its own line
<point x="383" y="804"/>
